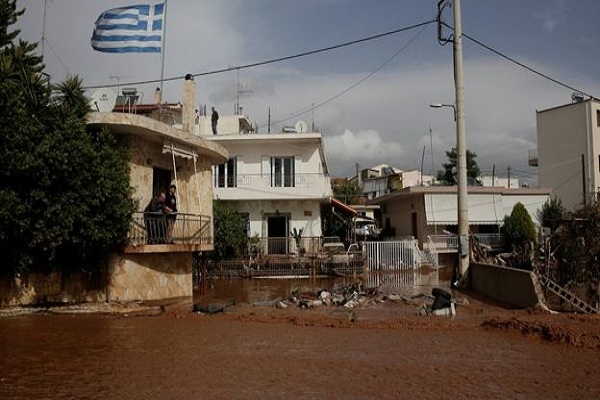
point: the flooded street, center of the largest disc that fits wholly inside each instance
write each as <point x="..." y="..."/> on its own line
<point x="250" y="352"/>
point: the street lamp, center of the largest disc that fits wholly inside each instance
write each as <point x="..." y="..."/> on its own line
<point x="440" y="105"/>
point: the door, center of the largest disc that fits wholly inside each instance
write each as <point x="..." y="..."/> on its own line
<point x="277" y="228"/>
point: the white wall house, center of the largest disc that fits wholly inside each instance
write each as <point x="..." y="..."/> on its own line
<point x="568" y="154"/>
<point x="383" y="179"/>
<point x="277" y="180"/>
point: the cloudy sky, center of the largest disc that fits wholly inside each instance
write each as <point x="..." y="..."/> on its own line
<point x="370" y="100"/>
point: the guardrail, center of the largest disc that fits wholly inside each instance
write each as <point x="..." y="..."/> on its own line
<point x="178" y="228"/>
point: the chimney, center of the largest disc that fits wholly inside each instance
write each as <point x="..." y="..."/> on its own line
<point x="189" y="104"/>
<point x="157" y="96"/>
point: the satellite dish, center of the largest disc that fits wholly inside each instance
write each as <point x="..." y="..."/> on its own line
<point x="103" y="100"/>
<point x="301" y="127"/>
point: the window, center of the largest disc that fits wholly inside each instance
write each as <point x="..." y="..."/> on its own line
<point x="225" y="175"/>
<point x="598" y="117"/>
<point x="282" y="172"/>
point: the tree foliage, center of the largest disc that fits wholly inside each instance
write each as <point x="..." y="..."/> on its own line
<point x="448" y="176"/>
<point x="231" y="237"/>
<point x="347" y="190"/>
<point x="65" y="199"/>
<point x="551" y="213"/>
<point x="576" y="247"/>
<point x="520" y="234"/>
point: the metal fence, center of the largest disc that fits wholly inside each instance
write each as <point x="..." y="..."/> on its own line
<point x="179" y="228"/>
<point x="392" y="255"/>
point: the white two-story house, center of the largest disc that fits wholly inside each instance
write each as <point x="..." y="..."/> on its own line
<point x="278" y="181"/>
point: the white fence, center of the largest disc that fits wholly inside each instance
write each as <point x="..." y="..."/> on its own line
<point x="392" y="255"/>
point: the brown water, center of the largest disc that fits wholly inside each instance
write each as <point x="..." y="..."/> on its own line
<point x="265" y="289"/>
<point x="267" y="353"/>
<point x="92" y="357"/>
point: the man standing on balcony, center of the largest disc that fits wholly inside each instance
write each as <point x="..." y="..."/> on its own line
<point x="214" y="118"/>
<point x="154" y="219"/>
<point x="170" y="210"/>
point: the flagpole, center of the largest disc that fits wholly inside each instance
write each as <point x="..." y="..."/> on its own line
<point x="162" y="50"/>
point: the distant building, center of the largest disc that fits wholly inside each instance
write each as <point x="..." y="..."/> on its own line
<point x="568" y="153"/>
<point x="382" y="179"/>
<point x="508" y="183"/>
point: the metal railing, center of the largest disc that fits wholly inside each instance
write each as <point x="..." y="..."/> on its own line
<point x="298" y="180"/>
<point x="449" y="243"/>
<point x="443" y="243"/>
<point x="160" y="228"/>
<point x="392" y="255"/>
<point x="496" y="241"/>
<point x="431" y="254"/>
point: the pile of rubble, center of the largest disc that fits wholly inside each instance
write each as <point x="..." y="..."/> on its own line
<point x="440" y="302"/>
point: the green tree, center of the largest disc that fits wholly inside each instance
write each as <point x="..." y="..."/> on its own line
<point x="231" y="238"/>
<point x="520" y="234"/>
<point x="576" y="247"/>
<point x="347" y="190"/>
<point x="449" y="177"/>
<point x="65" y="198"/>
<point x="551" y="213"/>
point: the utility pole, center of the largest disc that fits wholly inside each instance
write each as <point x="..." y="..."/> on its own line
<point x="461" y="145"/>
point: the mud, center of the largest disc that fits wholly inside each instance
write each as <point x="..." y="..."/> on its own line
<point x="382" y="351"/>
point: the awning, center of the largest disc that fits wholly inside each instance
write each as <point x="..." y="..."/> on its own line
<point x="484" y="209"/>
<point x="180" y="150"/>
<point x="342" y="208"/>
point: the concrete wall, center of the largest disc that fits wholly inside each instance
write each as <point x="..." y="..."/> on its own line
<point x="52" y="287"/>
<point x="510" y="286"/>
<point x="152" y="276"/>
<point x="132" y="277"/>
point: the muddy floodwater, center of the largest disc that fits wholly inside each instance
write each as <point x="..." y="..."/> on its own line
<point x="249" y="352"/>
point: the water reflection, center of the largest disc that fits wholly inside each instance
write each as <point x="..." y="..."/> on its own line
<point x="242" y="290"/>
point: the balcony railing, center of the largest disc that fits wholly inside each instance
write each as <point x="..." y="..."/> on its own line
<point x="297" y="180"/>
<point x="179" y="228"/>
<point x="449" y="243"/>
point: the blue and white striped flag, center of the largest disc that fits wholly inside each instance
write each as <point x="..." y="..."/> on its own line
<point x="134" y="29"/>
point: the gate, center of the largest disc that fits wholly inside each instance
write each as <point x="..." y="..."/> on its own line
<point x="393" y="255"/>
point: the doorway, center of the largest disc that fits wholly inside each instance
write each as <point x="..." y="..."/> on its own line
<point x="277" y="228"/>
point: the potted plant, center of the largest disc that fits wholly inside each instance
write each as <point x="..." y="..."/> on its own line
<point x="297" y="235"/>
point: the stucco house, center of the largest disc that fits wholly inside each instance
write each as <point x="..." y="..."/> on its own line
<point x="568" y="153"/>
<point x="162" y="153"/>
<point x="278" y="181"/>
<point x="430" y="214"/>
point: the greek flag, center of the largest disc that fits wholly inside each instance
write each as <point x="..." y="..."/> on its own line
<point x="133" y="29"/>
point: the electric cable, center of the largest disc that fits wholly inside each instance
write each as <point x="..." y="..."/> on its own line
<point x="273" y="60"/>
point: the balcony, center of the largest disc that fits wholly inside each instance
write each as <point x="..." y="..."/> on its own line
<point x="533" y="158"/>
<point x="261" y="186"/>
<point x="156" y="233"/>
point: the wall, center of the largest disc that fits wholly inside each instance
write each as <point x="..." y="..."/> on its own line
<point x="513" y="287"/>
<point x="562" y="136"/>
<point x="154" y="276"/>
<point x="132" y="277"/>
<point x="311" y="224"/>
<point x="53" y="287"/>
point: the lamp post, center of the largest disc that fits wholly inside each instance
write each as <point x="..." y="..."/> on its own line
<point x="440" y="105"/>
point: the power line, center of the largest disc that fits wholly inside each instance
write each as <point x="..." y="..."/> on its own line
<point x="370" y="74"/>
<point x="274" y="60"/>
<point x="522" y="65"/>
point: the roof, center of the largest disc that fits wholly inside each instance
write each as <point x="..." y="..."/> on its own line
<point x="342" y="207"/>
<point x="181" y="142"/>
<point x="486" y="205"/>
<point x="422" y="190"/>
